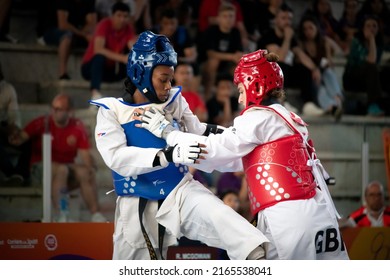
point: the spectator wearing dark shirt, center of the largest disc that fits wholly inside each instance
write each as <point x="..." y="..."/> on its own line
<point x="223" y="106"/>
<point x="208" y="16"/>
<point x="348" y="24"/>
<point x="182" y="42"/>
<point x="299" y="70"/>
<point x="222" y="44"/>
<point x="329" y="25"/>
<point x="76" y="21"/>
<point x="362" y="72"/>
<point x="380" y="9"/>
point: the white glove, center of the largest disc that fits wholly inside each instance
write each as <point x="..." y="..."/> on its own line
<point x="184" y="153"/>
<point x="155" y="122"/>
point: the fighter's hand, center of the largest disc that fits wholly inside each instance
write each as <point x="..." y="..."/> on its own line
<point x="185" y="153"/>
<point x="154" y="121"/>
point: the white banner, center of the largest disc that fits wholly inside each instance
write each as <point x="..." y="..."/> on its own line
<point x="199" y="270"/>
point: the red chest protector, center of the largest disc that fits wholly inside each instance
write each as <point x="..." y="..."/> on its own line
<point x="278" y="171"/>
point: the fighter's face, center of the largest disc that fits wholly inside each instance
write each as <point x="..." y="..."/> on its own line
<point x="162" y="81"/>
<point x="242" y="94"/>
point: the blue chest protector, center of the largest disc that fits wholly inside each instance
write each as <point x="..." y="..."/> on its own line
<point x="154" y="185"/>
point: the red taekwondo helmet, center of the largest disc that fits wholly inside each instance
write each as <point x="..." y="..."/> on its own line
<point x="258" y="76"/>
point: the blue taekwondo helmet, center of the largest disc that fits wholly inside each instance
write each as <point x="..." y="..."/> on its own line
<point x="149" y="51"/>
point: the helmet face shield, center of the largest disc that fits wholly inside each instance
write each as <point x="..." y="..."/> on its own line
<point x="258" y="76"/>
<point x="149" y="51"/>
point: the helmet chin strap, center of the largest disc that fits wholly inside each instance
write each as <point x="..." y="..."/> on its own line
<point x="152" y="97"/>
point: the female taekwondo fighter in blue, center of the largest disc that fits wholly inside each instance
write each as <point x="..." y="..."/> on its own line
<point x="158" y="200"/>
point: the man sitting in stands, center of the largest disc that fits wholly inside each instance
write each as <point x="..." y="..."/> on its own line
<point x="69" y="143"/>
<point x="106" y="56"/>
<point x="375" y="213"/>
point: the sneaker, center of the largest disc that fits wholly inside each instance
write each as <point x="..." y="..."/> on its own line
<point x="374" y="110"/>
<point x="62" y="218"/>
<point x="98" y="218"/>
<point x="9" y="39"/>
<point x="337" y="112"/>
<point x="13" y="181"/>
<point x="64" y="77"/>
<point x="310" y="109"/>
<point x="41" y="41"/>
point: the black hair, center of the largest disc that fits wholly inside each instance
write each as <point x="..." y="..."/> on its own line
<point x="314" y="20"/>
<point x="223" y="77"/>
<point x="169" y="13"/>
<point x="286" y="8"/>
<point x="120" y="6"/>
<point x="228" y="191"/>
<point x="130" y="88"/>
<point x="360" y="35"/>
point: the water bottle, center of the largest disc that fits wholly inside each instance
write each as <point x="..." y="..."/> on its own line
<point x="64" y="206"/>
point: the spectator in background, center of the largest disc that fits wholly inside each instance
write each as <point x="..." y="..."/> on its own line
<point x="362" y="69"/>
<point x="322" y="10"/>
<point x="374" y="213"/>
<point x="229" y="181"/>
<point x="222" y="44"/>
<point x="181" y="40"/>
<point x="320" y="49"/>
<point x="348" y="24"/>
<point x="5" y="18"/>
<point x="139" y="12"/>
<point x="76" y="21"/>
<point x="259" y="16"/>
<point x="298" y="68"/>
<point x="183" y="9"/>
<point x="46" y="19"/>
<point x="236" y="182"/>
<point x="14" y="169"/>
<point x="223" y="105"/>
<point x="72" y="163"/>
<point x="104" y="7"/>
<point x="379" y="9"/>
<point x="106" y="56"/>
<point x="183" y="77"/>
<point x="209" y="14"/>
<point x="230" y="198"/>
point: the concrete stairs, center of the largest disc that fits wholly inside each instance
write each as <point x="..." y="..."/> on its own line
<point x="32" y="69"/>
<point x="340" y="148"/>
